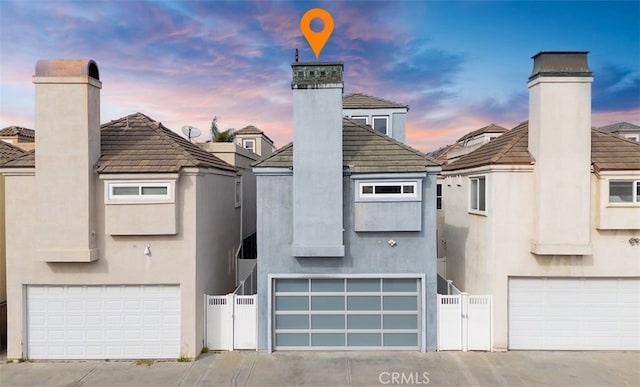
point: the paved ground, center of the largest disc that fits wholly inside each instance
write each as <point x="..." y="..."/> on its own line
<point x="323" y="369"/>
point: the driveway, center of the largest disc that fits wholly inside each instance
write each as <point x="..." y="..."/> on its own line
<point x="341" y="369"/>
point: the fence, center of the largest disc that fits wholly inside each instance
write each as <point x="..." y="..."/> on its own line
<point x="464" y="322"/>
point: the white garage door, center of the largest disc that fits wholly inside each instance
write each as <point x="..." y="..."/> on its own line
<point x="103" y="322"/>
<point x="574" y="314"/>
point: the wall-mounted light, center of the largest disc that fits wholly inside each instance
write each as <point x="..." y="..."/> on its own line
<point x="147" y="249"/>
<point x="634" y="241"/>
<point x="392" y="243"/>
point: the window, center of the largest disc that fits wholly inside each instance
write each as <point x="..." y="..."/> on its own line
<point x="633" y="137"/>
<point x="624" y="191"/>
<point x="249" y="144"/>
<point x="389" y="190"/>
<point x="121" y="192"/>
<point x="380" y="124"/>
<point x="439" y="196"/>
<point x="478" y="193"/>
<point x="361" y="120"/>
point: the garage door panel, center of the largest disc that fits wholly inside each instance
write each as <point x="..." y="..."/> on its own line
<point x="102" y="322"/>
<point x="346" y="313"/>
<point x="574" y="314"/>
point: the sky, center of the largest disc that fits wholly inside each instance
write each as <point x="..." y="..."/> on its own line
<point x="459" y="65"/>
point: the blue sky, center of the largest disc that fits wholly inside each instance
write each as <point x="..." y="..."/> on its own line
<point x="459" y="65"/>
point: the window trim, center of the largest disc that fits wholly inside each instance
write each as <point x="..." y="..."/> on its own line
<point x="635" y="196"/>
<point x="111" y="198"/>
<point x="386" y="119"/>
<point x="477" y="210"/>
<point x="366" y="119"/>
<point x="361" y="196"/>
<point x="246" y="141"/>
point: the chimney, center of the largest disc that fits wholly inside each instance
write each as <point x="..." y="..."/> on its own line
<point x="317" y="160"/>
<point x="560" y="142"/>
<point x="67" y="120"/>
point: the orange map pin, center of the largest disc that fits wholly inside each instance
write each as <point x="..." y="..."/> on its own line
<point x="316" y="40"/>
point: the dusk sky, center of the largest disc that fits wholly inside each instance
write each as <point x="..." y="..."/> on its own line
<point x="459" y="65"/>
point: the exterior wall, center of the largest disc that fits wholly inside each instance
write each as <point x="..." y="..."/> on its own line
<point x="484" y="252"/>
<point x="3" y="251"/>
<point x="614" y="216"/>
<point x="263" y="147"/>
<point x="396" y="124"/>
<point x="187" y="259"/>
<point x="365" y="252"/>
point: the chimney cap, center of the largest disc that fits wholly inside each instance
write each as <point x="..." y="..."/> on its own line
<point x="67" y="68"/>
<point x="316" y="74"/>
<point x="560" y="64"/>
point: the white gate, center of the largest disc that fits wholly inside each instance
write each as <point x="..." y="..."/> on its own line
<point x="231" y="322"/>
<point x="464" y="323"/>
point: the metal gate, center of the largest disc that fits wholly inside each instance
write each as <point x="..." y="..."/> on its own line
<point x="231" y="322"/>
<point x="464" y="323"/>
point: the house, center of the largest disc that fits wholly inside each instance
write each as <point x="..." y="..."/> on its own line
<point x="384" y="116"/>
<point x="18" y="136"/>
<point x="7" y="152"/>
<point x="255" y="140"/>
<point x="624" y="129"/>
<point x="546" y="218"/>
<point x="346" y="231"/>
<point x="114" y="233"/>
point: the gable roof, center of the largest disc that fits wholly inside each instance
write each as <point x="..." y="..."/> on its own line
<point x="26" y="160"/>
<point x="363" y="101"/>
<point x="509" y="148"/>
<point x="9" y="152"/>
<point x="608" y="151"/>
<point x="11" y="131"/>
<point x="621" y="127"/>
<point x="491" y="128"/>
<point x="138" y="144"/>
<point x="363" y="151"/>
<point x="250" y="129"/>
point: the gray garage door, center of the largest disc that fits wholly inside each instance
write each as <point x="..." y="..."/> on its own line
<point x="347" y="313"/>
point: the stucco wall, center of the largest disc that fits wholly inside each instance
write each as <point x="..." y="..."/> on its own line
<point x="121" y="258"/>
<point x="365" y="252"/>
<point x="484" y="251"/>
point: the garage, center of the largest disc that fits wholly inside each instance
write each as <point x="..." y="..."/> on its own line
<point x="346" y="313"/>
<point x="574" y="313"/>
<point x="103" y="322"/>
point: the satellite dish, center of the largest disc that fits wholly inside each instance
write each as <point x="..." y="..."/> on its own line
<point x="191" y="132"/>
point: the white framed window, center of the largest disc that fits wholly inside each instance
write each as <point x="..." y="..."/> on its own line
<point x="380" y="124"/>
<point x="438" y="196"/>
<point x="249" y="143"/>
<point x="477" y="190"/>
<point x="633" y="137"/>
<point x="396" y="189"/>
<point x="128" y="192"/>
<point x="361" y="119"/>
<point x="624" y="191"/>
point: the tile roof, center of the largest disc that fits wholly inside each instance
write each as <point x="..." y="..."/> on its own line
<point x="613" y="153"/>
<point x="442" y="155"/>
<point x="363" y="151"/>
<point x="9" y="152"/>
<point x="509" y="148"/>
<point x="138" y="144"/>
<point x="491" y="128"/>
<point x="363" y="101"/>
<point x="608" y="151"/>
<point x="18" y="131"/>
<point x="250" y="129"/>
<point x="27" y="160"/>
<point x="621" y="127"/>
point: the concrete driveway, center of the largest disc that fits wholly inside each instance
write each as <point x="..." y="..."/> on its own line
<point x="341" y="369"/>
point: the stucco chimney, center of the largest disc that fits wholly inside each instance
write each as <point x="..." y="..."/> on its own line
<point x="560" y="142"/>
<point x="67" y="120"/>
<point x="317" y="160"/>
